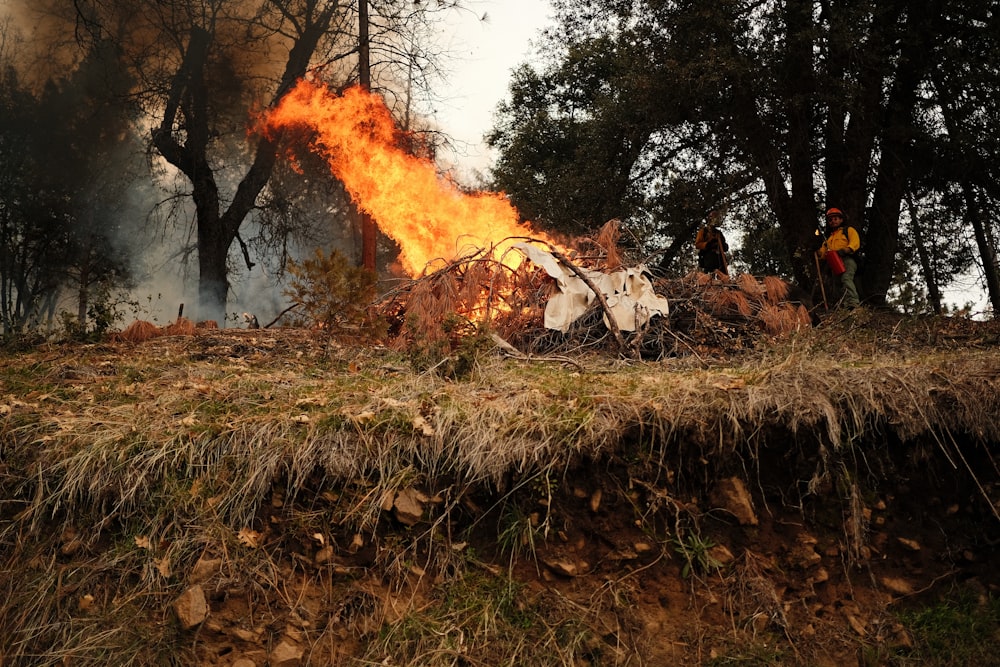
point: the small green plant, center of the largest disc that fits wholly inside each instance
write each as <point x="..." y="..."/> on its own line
<point x="697" y="554"/>
<point x="517" y="534"/>
<point x="334" y="294"/>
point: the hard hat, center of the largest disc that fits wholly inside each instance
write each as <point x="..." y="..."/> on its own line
<point x="834" y="211"/>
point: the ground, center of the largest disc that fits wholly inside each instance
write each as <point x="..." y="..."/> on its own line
<point x="275" y="497"/>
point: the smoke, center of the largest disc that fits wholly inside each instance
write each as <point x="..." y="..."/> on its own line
<point x="151" y="218"/>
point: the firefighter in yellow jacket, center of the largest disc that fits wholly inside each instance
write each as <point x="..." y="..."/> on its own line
<point x="843" y="240"/>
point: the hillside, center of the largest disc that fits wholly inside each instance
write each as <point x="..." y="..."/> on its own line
<point x="826" y="496"/>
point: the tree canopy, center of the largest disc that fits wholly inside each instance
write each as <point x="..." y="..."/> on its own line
<point x="68" y="154"/>
<point x="658" y="112"/>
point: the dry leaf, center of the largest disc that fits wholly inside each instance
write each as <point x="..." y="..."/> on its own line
<point x="301" y="419"/>
<point x="311" y="400"/>
<point x="727" y="383"/>
<point x="420" y="424"/>
<point x="143" y="542"/>
<point x="189" y="421"/>
<point x="250" y="538"/>
<point x="163" y="566"/>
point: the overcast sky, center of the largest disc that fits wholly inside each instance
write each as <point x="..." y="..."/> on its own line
<point x="486" y="51"/>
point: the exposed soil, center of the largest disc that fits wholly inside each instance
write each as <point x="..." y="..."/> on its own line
<point x="656" y="548"/>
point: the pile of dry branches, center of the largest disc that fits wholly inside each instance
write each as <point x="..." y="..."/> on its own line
<point x="141" y="330"/>
<point x="709" y="314"/>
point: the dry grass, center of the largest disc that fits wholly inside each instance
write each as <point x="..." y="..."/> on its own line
<point x="187" y="440"/>
<point x="110" y="438"/>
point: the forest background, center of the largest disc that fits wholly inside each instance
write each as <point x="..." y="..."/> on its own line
<point x="125" y="150"/>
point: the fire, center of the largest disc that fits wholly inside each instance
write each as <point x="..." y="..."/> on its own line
<point x="430" y="218"/>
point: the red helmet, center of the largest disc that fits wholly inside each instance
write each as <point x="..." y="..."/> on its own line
<point x="834" y="211"/>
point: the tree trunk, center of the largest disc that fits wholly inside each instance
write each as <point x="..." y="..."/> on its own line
<point x="186" y="113"/>
<point x="369" y="234"/>
<point x="213" y="280"/>
<point x="930" y="279"/>
<point x="882" y="233"/>
<point x="987" y="249"/>
<point x="83" y="296"/>
<point x="800" y="87"/>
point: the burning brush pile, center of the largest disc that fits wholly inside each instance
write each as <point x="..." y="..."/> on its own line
<point x="565" y="301"/>
<point x="469" y="250"/>
<point x="477" y="265"/>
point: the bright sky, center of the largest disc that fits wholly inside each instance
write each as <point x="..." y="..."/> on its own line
<point x="486" y="51"/>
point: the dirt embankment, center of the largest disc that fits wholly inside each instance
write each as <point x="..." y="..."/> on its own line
<point x="264" y="497"/>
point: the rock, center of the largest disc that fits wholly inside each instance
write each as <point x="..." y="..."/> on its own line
<point x="642" y="547"/>
<point x="324" y="555"/>
<point x="244" y="662"/>
<point x="285" y="654"/>
<point x="564" y="567"/>
<point x="820" y="576"/>
<point x="856" y="624"/>
<point x="897" y="585"/>
<point x="191" y="607"/>
<point x="731" y="495"/>
<point x="721" y="554"/>
<point x="408" y="506"/>
<point x="595" y="501"/>
<point x="86" y="603"/>
<point x="806" y="557"/>
<point x="245" y="635"/>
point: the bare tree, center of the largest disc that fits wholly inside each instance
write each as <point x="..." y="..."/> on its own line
<point x="204" y="65"/>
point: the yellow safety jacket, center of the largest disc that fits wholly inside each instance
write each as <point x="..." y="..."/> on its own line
<point x="845" y="238"/>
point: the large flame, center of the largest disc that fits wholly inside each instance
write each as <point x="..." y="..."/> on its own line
<point x="428" y="216"/>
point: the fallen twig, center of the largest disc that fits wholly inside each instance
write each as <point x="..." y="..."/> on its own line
<point x="512" y="351"/>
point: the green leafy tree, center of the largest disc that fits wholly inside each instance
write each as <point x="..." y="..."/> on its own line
<point x="59" y="215"/>
<point x="92" y="155"/>
<point x="804" y="105"/>
<point x="334" y="295"/>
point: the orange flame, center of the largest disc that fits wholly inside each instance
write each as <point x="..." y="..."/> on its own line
<point x="429" y="217"/>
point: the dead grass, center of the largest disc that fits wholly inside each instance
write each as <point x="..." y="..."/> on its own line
<point x="108" y="439"/>
<point x="189" y="439"/>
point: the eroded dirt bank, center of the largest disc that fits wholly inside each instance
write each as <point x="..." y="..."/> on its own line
<point x="241" y="498"/>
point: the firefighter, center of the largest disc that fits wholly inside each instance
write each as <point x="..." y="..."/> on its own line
<point x="842" y="240"/>
<point x="712" y="246"/>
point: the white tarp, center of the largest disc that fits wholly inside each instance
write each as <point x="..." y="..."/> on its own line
<point x="628" y="292"/>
